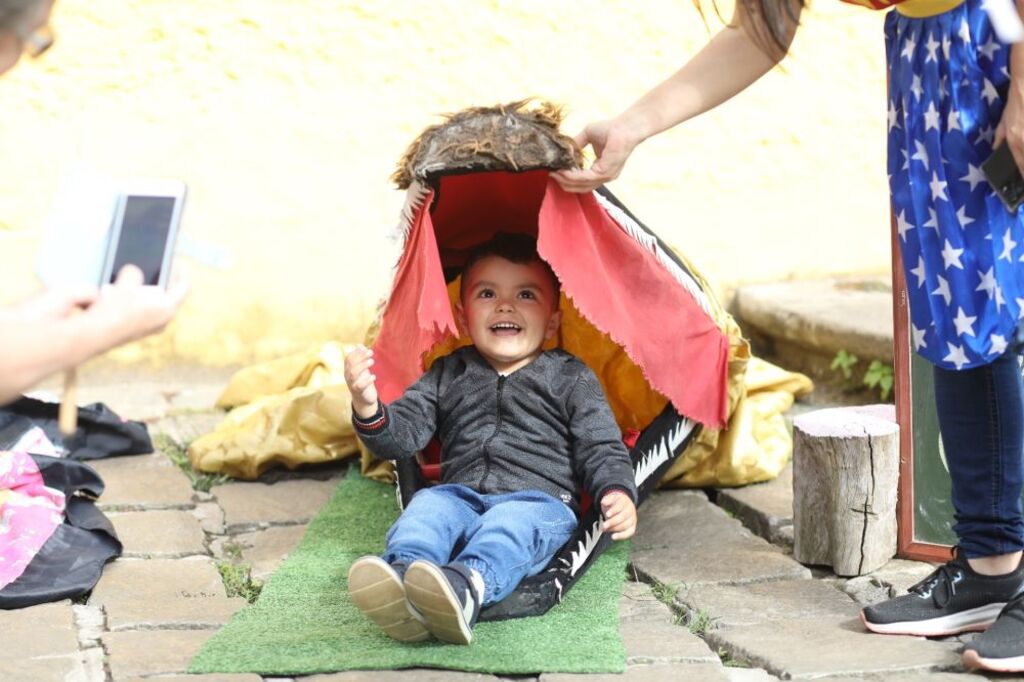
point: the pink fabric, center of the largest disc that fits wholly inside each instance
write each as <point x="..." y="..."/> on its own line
<point x="625" y="292"/>
<point x="29" y="513"/>
<point x="418" y="314"/>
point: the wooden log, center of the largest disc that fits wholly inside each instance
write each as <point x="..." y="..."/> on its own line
<point x="845" y="476"/>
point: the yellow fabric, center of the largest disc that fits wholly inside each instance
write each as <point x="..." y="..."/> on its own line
<point x="918" y="9"/>
<point x="292" y="411"/>
<point x="297" y="410"/>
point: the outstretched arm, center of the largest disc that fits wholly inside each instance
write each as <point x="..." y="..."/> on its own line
<point x="41" y="336"/>
<point x="731" y="61"/>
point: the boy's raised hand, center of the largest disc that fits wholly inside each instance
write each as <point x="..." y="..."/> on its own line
<point x="361" y="382"/>
<point x="619" y="514"/>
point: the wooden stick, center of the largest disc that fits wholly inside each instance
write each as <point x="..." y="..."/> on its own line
<point x="67" y="418"/>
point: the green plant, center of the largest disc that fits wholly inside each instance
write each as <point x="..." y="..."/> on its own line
<point x="238" y="580"/>
<point x="178" y="454"/>
<point x="880" y="376"/>
<point x="663" y="592"/>
<point x="700" y="622"/>
<point x="843" y="363"/>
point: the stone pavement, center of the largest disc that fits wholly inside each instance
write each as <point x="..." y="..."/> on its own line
<point x="713" y="592"/>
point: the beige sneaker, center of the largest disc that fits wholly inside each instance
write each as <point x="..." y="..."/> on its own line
<point x="377" y="590"/>
<point x="448" y="597"/>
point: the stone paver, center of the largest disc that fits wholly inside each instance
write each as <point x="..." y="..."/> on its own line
<point x="186" y="427"/>
<point x="90" y="623"/>
<point x="683" y="539"/>
<point x="668" y="672"/>
<point x="891" y="580"/>
<point x="816" y="647"/>
<point x="650" y="633"/>
<point x="155" y="593"/>
<point x="735" y="605"/>
<point x="195" y="398"/>
<point x="159" y="533"/>
<point x="265" y="550"/>
<point x="152" y="652"/>
<point x="748" y="675"/>
<point x="140" y="401"/>
<point x="764" y="508"/>
<point x="143" y="482"/>
<point x="253" y="505"/>
<point x="39" y="643"/>
<point x="930" y="677"/>
<point x="218" y="677"/>
<point x="417" y="674"/>
<point x="210" y="516"/>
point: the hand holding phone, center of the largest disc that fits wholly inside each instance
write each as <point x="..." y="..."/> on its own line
<point x="144" y="230"/>
<point x="1002" y="173"/>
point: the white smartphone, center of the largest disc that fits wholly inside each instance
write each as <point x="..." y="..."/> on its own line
<point x="144" y="229"/>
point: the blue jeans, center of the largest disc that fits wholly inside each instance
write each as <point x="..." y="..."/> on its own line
<point x="981" y="418"/>
<point x="503" y="537"/>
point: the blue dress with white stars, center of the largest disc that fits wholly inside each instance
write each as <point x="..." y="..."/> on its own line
<point x="962" y="251"/>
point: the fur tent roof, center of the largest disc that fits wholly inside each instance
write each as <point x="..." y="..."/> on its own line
<point x="518" y="136"/>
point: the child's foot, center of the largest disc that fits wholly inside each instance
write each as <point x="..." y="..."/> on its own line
<point x="1001" y="647"/>
<point x="449" y="598"/>
<point x="376" y="590"/>
<point x="951" y="600"/>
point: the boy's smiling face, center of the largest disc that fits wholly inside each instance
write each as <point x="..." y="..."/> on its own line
<point x="509" y="310"/>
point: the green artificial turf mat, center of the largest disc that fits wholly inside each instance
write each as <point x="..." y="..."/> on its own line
<point x="304" y="622"/>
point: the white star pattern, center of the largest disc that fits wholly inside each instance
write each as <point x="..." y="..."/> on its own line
<point x="1020" y="307"/>
<point x="951" y="256"/>
<point x="919" y="341"/>
<point x="961" y="215"/>
<point x="919" y="272"/>
<point x="987" y="282"/>
<point x="932" y="45"/>
<point x="964" y="323"/>
<point x="987" y="133"/>
<point x="903" y="226"/>
<point x="953" y="122"/>
<point x="946" y="44"/>
<point x="933" y="220"/>
<point x="908" y="49"/>
<point x="989" y="49"/>
<point x="893" y="116"/>
<point x="1000" y="301"/>
<point x="999" y="344"/>
<point x="921" y="154"/>
<point x="943" y="290"/>
<point x="989" y="92"/>
<point x="915" y="86"/>
<point x="965" y="31"/>
<point x="931" y="117"/>
<point x="938" y="187"/>
<point x="974" y="176"/>
<point x="906" y="160"/>
<point x="956" y="355"/>
<point x="1008" y="246"/>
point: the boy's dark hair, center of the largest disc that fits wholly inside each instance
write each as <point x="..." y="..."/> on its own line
<point x="516" y="248"/>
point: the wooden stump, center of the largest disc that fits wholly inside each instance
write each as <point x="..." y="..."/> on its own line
<point x="845" y="475"/>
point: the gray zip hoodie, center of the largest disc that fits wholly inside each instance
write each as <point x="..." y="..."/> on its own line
<point x="546" y="426"/>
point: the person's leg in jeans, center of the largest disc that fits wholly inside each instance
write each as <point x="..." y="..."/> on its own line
<point x="435" y="521"/>
<point x="430" y="527"/>
<point x="515" y="537"/>
<point x="981" y="420"/>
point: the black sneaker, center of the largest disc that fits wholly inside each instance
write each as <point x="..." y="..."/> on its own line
<point x="1001" y="647"/>
<point x="953" y="599"/>
<point x="376" y="589"/>
<point x="448" y="597"/>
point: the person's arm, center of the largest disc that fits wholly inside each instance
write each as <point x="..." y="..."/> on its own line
<point x="731" y="61"/>
<point x="401" y="428"/>
<point x="48" y="334"/>
<point x="1011" y="125"/>
<point x="599" y="457"/>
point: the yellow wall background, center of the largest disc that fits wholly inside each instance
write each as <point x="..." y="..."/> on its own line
<point x="285" y="118"/>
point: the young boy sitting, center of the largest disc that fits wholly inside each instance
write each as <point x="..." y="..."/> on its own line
<point x="520" y="429"/>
